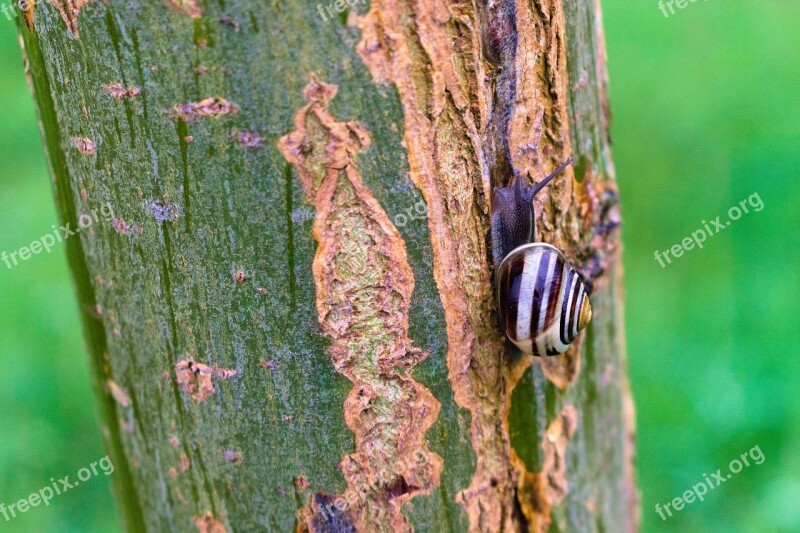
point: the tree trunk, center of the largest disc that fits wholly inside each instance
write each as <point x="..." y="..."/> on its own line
<point x="290" y="313"/>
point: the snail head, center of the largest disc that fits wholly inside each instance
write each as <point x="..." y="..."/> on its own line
<point x="512" y="213"/>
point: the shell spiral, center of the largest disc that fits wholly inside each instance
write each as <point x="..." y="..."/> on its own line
<point x="544" y="302"/>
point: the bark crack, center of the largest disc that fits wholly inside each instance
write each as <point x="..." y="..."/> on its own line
<point x="67" y="9"/>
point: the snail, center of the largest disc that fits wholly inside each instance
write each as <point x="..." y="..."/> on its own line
<point x="543" y="301"/>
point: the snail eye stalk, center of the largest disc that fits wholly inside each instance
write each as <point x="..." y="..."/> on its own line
<point x="539" y="186"/>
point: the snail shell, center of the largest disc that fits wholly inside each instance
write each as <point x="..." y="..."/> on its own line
<point x="543" y="301"/>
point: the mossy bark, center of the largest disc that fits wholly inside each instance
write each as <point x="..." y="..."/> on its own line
<point x="243" y="385"/>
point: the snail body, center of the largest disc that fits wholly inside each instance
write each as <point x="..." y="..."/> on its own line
<point x="543" y="300"/>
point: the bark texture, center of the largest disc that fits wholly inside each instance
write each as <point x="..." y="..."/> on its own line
<point x="290" y="316"/>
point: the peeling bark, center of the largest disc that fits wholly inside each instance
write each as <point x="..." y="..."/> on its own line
<point x="540" y="491"/>
<point x="364" y="287"/>
<point x="442" y="137"/>
<point x="484" y="95"/>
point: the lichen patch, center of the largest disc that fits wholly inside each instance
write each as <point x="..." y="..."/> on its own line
<point x="118" y="92"/>
<point x="233" y="456"/>
<point x="269" y="364"/>
<point x="118" y="393"/>
<point x="123" y="227"/>
<point x="195" y="379"/>
<point x="213" y="107"/>
<point x="248" y="139"/>
<point x="225" y="373"/>
<point x="165" y="211"/>
<point x="84" y="145"/>
<point x="208" y="524"/>
<point x="187" y="7"/>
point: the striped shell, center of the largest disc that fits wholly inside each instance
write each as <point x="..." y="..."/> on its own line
<point x="544" y="302"/>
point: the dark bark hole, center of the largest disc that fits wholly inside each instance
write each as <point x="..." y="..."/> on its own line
<point x="400" y="487"/>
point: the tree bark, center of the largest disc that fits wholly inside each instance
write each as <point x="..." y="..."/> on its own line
<point x="290" y="314"/>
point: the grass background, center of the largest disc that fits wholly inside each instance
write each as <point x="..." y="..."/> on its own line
<point x="704" y="115"/>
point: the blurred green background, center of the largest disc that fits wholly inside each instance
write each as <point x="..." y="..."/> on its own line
<point x="704" y="115"/>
